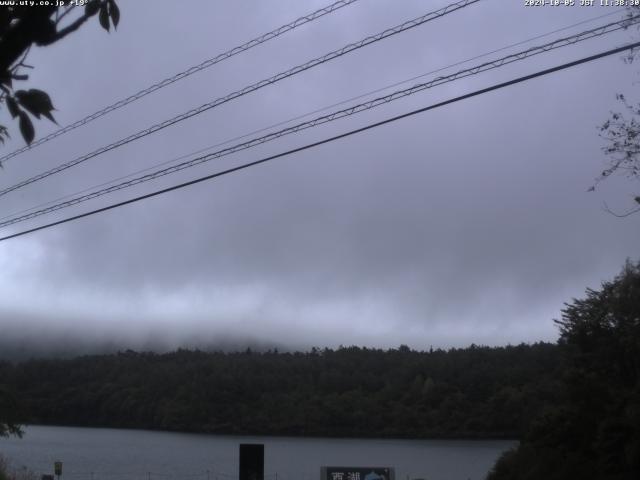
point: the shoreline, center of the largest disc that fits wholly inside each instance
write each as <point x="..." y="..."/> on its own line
<point x="453" y="438"/>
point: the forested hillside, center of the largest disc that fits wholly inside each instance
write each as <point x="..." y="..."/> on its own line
<point x="471" y="392"/>
<point x="593" y="432"/>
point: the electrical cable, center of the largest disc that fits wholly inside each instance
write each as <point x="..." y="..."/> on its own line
<point x="251" y="88"/>
<point x="304" y="115"/>
<point x="582" y="36"/>
<point x="330" y="139"/>
<point x="184" y="74"/>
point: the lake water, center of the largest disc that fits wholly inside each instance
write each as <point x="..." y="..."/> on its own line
<point x="109" y="454"/>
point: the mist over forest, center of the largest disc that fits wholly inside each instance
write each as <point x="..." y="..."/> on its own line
<point x="54" y="343"/>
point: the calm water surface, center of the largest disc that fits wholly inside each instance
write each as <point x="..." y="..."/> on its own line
<point x="108" y="454"/>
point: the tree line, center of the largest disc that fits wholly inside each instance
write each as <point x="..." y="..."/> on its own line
<point x="471" y="392"/>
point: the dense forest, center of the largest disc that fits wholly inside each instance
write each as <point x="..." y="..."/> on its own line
<point x="593" y="431"/>
<point x="471" y="392"/>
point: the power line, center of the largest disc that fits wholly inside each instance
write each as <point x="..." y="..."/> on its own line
<point x="299" y="117"/>
<point x="354" y="109"/>
<point x="331" y="139"/>
<point x="251" y="88"/>
<point x="184" y="74"/>
<point x="598" y="31"/>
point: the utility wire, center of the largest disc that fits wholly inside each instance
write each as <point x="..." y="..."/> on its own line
<point x="588" y="34"/>
<point x="184" y="74"/>
<point x="299" y="117"/>
<point x="251" y="88"/>
<point x="331" y="139"/>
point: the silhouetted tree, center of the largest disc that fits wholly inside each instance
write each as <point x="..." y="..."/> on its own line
<point x="594" y="431"/>
<point x="21" y="27"/>
<point x="9" y="412"/>
<point x="622" y="133"/>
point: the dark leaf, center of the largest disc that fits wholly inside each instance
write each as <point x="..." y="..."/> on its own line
<point x="104" y="17"/>
<point x="50" y="117"/>
<point x="36" y="101"/>
<point x="114" y="11"/>
<point x="42" y="98"/>
<point x="12" y="106"/>
<point x="26" y="128"/>
<point x="27" y="102"/>
<point x="3" y="133"/>
<point x="637" y="199"/>
<point x="6" y="79"/>
<point x="44" y="31"/>
<point x="92" y="8"/>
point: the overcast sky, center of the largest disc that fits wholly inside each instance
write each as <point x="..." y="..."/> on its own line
<point x="469" y="223"/>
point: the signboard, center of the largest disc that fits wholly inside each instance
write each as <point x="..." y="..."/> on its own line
<point x="357" y="473"/>
<point x="251" y="461"/>
<point x="57" y="468"/>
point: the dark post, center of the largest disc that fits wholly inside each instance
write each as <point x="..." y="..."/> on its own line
<point x="251" y="461"/>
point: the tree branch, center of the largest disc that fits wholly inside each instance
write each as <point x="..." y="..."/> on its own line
<point x="63" y="14"/>
<point x="20" y="63"/>
<point x="20" y="35"/>
<point x="60" y="34"/>
<point x="620" y="215"/>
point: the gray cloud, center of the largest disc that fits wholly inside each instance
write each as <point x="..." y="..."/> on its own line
<point x="470" y="223"/>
